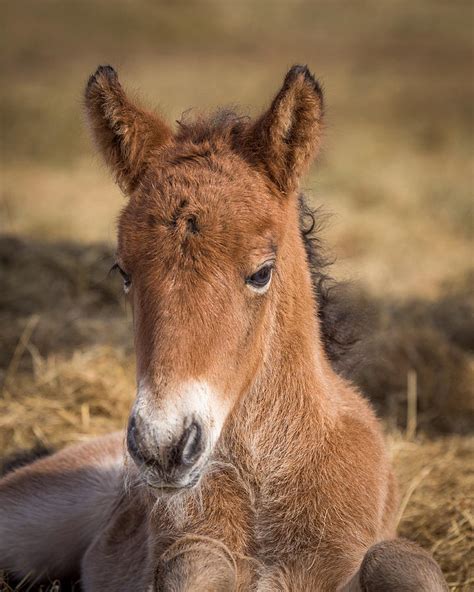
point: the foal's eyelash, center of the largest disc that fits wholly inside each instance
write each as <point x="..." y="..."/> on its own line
<point x="127" y="280"/>
<point x="116" y="267"/>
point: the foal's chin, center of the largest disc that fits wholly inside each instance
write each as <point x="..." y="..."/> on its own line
<point x="165" y="487"/>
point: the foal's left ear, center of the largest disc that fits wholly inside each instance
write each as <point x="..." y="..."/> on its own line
<point x="125" y="133"/>
<point x="286" y="138"/>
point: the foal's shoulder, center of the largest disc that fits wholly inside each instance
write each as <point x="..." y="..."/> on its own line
<point x="356" y="414"/>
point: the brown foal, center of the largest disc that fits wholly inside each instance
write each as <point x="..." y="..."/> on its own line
<point x="249" y="464"/>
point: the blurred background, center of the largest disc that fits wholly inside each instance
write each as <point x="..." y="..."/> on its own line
<point x="395" y="173"/>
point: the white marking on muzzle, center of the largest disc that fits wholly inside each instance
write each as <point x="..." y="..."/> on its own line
<point x="169" y="413"/>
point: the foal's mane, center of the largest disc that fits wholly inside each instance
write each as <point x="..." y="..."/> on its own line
<point x="337" y="319"/>
<point x="339" y="323"/>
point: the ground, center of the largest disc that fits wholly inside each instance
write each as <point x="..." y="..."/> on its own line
<point x="395" y="174"/>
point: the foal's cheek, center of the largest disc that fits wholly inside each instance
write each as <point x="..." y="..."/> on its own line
<point x="249" y="339"/>
<point x="145" y="333"/>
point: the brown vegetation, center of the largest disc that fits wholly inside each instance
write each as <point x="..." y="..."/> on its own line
<point x="396" y="173"/>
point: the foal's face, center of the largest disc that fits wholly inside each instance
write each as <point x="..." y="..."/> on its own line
<point x="198" y="249"/>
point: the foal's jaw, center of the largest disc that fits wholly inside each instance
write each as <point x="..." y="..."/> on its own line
<point x="171" y="441"/>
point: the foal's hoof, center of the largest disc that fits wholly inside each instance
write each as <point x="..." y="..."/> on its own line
<point x="400" y="566"/>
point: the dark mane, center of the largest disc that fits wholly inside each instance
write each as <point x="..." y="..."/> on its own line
<point x="338" y="321"/>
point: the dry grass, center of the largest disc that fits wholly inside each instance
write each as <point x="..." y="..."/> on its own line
<point x="67" y="399"/>
<point x="397" y="172"/>
<point x="431" y="339"/>
<point x="58" y="391"/>
<point x="437" y="480"/>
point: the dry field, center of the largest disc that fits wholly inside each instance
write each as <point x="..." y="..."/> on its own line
<point x="396" y="174"/>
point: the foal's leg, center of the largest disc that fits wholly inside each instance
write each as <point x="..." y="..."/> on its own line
<point x="397" y="566"/>
<point x="201" y="566"/>
<point x="209" y="546"/>
<point x="51" y="510"/>
<point x="124" y="557"/>
<point x="118" y="559"/>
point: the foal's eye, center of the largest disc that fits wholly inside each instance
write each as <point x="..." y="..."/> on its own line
<point x="127" y="280"/>
<point x="260" y="280"/>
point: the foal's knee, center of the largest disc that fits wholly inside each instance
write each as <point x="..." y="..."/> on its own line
<point x="199" y="568"/>
<point x="400" y="566"/>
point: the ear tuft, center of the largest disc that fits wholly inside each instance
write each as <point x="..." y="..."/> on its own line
<point x="104" y="75"/>
<point x="304" y="72"/>
<point x="286" y="138"/>
<point x="125" y="134"/>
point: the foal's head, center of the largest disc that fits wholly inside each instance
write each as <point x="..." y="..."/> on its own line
<point x="203" y="249"/>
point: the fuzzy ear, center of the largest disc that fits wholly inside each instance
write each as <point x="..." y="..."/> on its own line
<point x="124" y="133"/>
<point x="287" y="137"/>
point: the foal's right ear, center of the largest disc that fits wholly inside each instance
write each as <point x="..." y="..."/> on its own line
<point x="124" y="133"/>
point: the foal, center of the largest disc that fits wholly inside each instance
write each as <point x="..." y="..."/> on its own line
<point x="250" y="464"/>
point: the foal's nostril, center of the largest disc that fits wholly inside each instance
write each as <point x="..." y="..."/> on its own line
<point x="189" y="446"/>
<point x="132" y="441"/>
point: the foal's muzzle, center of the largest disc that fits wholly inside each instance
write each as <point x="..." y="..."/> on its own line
<point x="168" y="463"/>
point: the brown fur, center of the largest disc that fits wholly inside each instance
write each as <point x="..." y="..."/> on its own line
<point x="298" y="486"/>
